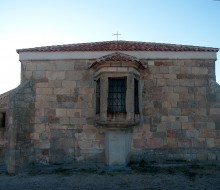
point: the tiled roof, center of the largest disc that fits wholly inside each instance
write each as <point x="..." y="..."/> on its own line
<point x="118" y="46"/>
<point x="117" y="56"/>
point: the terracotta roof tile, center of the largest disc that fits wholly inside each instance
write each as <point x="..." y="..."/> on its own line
<point x="116" y="56"/>
<point x="118" y="46"/>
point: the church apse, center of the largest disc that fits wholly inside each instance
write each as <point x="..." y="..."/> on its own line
<point x="114" y="102"/>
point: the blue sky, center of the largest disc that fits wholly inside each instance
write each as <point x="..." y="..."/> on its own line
<point x="31" y="23"/>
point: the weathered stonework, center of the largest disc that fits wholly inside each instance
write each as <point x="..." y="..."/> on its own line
<point x="52" y="115"/>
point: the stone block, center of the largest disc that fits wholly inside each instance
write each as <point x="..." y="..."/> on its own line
<point x="172" y="97"/>
<point x="86" y="91"/>
<point x="210" y="142"/>
<point x="154" y="69"/>
<point x="200" y="82"/>
<point x="164" y="69"/>
<point x="73" y="112"/>
<point x="161" y="82"/>
<point x="186" y="82"/>
<point x="39" y="75"/>
<point x="174" y="125"/>
<point x="89" y="112"/>
<point x="192" y="133"/>
<point x="207" y="133"/>
<point x="155" y="143"/>
<point x="157" y="104"/>
<point x="214" y="111"/>
<point x="174" y="69"/>
<point x="180" y="89"/>
<point x="76" y="121"/>
<point x="202" y="156"/>
<point x="171" y="133"/>
<point x="34" y="136"/>
<point x="158" y="134"/>
<point x="60" y="112"/>
<point x="189" y="157"/>
<point x="65" y="65"/>
<point x="217" y="143"/>
<point x="171" y="142"/>
<point x="199" y="70"/>
<point x="81" y="83"/>
<point x="168" y="89"/>
<point x="151" y="63"/>
<point x="39" y="128"/>
<point x="42" y="85"/>
<point x="186" y="70"/>
<point x="64" y="120"/>
<point x="45" y="66"/>
<point x="182" y="119"/>
<point x="30" y="66"/>
<point x="158" y="76"/>
<point x="27" y="74"/>
<point x="55" y="75"/>
<point x="55" y="83"/>
<point x="210" y="125"/>
<point x="172" y="82"/>
<point x="166" y="104"/>
<point x="44" y="136"/>
<point x="171" y="118"/>
<point x="74" y="75"/>
<point x="202" y="111"/>
<point x="68" y="84"/>
<point x="44" y="91"/>
<point x="164" y="119"/>
<point x="63" y="91"/>
<point x="170" y="76"/>
<point x="188" y="125"/>
<point x="184" y="143"/>
<point x="174" y="111"/>
<point x="211" y="157"/>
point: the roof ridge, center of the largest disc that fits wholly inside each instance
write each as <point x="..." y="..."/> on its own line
<point x="121" y="45"/>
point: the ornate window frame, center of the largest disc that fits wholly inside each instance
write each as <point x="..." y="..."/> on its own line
<point x="118" y="65"/>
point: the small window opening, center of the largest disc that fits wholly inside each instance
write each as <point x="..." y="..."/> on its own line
<point x="98" y="96"/>
<point x="2" y="119"/>
<point x="116" y="95"/>
<point x="136" y="96"/>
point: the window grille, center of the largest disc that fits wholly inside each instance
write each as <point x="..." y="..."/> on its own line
<point x="136" y="97"/>
<point x="98" y="96"/>
<point x="116" y="95"/>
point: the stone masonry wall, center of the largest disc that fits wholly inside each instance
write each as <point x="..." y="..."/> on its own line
<point x="20" y="126"/>
<point x="64" y="128"/>
<point x="180" y="112"/>
<point x="180" y="115"/>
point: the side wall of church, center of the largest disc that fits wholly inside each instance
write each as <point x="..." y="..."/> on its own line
<point x="180" y="112"/>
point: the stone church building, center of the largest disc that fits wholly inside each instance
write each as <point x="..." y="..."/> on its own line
<point x="112" y="102"/>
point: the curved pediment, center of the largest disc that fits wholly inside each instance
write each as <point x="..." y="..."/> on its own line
<point x="117" y="59"/>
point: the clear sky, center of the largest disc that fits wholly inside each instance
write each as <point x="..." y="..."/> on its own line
<point x="32" y="23"/>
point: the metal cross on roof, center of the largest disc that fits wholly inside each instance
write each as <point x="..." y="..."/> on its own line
<point x="117" y="34"/>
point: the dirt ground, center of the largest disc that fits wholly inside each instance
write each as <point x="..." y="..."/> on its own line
<point x="139" y="177"/>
